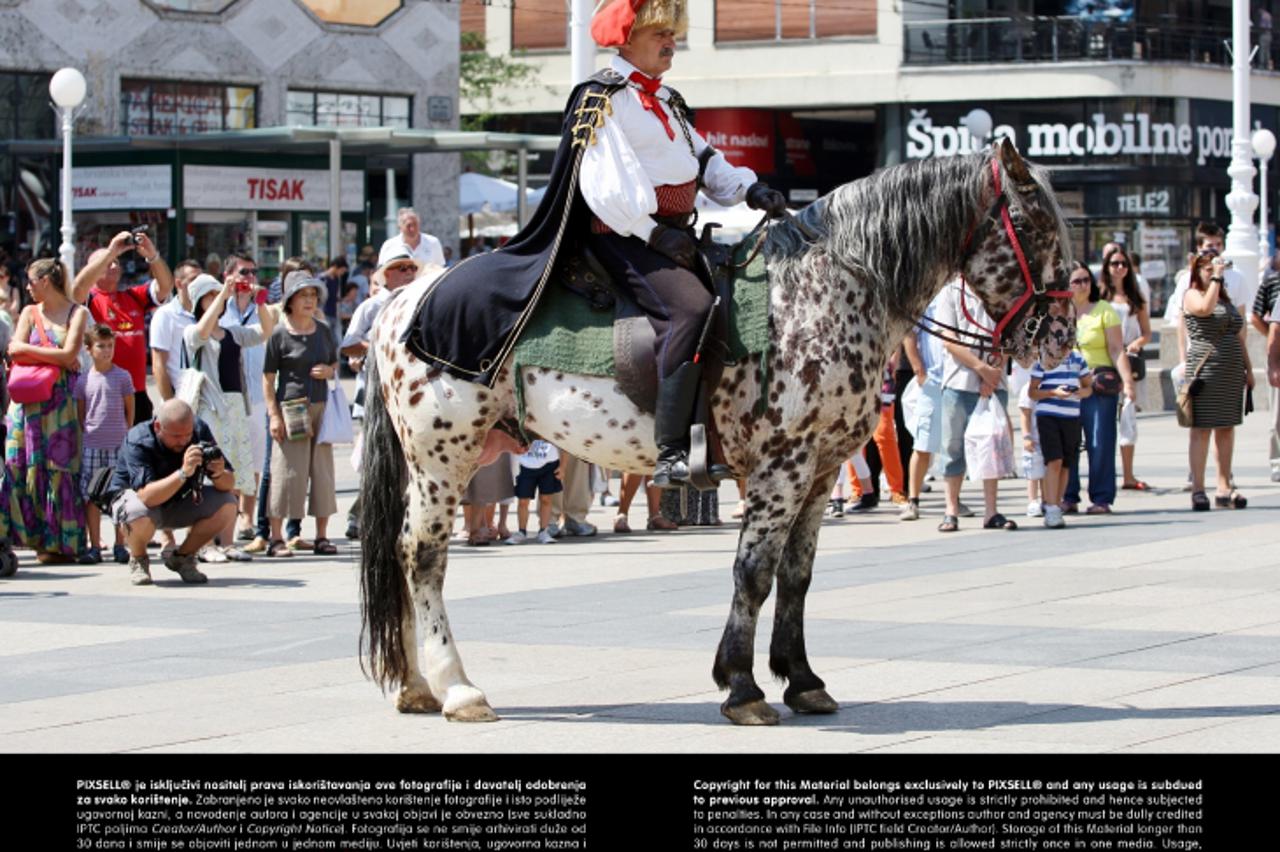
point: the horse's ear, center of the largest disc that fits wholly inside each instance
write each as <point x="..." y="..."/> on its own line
<point x="1013" y="163"/>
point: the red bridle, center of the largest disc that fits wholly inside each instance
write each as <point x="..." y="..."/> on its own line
<point x="1031" y="286"/>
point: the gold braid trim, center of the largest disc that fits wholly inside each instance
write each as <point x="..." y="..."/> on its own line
<point x="589" y="117"/>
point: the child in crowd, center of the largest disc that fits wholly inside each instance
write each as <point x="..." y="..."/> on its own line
<point x="1057" y="394"/>
<point x="1032" y="459"/>
<point x="540" y="474"/>
<point x="104" y="402"/>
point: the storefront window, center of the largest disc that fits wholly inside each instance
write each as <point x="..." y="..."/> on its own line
<point x="347" y="109"/>
<point x="360" y="13"/>
<point x="163" y="107"/>
<point x="753" y="20"/>
<point x="28" y="182"/>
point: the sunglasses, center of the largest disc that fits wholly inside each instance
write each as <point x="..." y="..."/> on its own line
<point x="402" y="267"/>
<point x="247" y="273"/>
<point x="1119" y="264"/>
<point x="1080" y="281"/>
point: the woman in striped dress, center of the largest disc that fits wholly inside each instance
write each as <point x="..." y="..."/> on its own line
<point x="1215" y="336"/>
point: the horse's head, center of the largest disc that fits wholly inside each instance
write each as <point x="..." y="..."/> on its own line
<point x="1016" y="263"/>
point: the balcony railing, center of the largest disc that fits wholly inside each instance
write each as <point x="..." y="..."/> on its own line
<point x="1064" y="39"/>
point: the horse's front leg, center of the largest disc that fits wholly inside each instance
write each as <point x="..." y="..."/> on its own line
<point x="770" y="510"/>
<point x="424" y="546"/>
<point x="806" y="693"/>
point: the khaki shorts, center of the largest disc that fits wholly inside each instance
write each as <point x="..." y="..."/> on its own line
<point x="128" y="507"/>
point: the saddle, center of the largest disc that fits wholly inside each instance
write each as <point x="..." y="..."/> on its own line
<point x="582" y="274"/>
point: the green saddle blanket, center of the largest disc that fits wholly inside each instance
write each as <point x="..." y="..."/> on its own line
<point x="566" y="335"/>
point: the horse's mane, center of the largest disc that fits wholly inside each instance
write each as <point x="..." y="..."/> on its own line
<point x="902" y="229"/>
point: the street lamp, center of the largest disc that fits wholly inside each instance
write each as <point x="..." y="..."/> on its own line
<point x="1264" y="145"/>
<point x="978" y="122"/>
<point x="67" y="88"/>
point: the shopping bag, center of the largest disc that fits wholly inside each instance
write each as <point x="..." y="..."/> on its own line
<point x="335" y="424"/>
<point x="988" y="442"/>
<point x="1128" y="423"/>
<point x="908" y="401"/>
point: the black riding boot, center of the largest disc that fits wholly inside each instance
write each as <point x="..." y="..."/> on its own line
<point x="676" y="396"/>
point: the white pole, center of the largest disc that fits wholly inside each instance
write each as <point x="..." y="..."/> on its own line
<point x="393" y="224"/>
<point x="336" y="246"/>
<point x="67" y="251"/>
<point x="1264" y="247"/>
<point x="1242" y="241"/>
<point x="582" y="50"/>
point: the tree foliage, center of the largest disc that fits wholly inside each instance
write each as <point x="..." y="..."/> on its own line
<point x="485" y="82"/>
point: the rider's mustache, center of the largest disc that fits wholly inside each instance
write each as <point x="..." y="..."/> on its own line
<point x="666" y="52"/>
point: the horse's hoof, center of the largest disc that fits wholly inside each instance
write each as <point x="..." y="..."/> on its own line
<point x="481" y="712"/>
<point x="813" y="701"/>
<point x="468" y="704"/>
<point x="756" y="712"/>
<point x="417" y="701"/>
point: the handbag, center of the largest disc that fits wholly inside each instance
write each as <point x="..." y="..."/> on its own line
<point x="30" y="383"/>
<point x="1184" y="403"/>
<point x="100" y="493"/>
<point x="296" y="414"/>
<point x="1107" y="381"/>
<point x="1137" y="365"/>
<point x="335" y="425"/>
<point x="190" y="381"/>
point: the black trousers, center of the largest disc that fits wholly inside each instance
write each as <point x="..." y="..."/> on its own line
<point x="676" y="300"/>
<point x="142" y="409"/>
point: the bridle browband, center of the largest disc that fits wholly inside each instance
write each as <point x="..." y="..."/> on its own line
<point x="1034" y="294"/>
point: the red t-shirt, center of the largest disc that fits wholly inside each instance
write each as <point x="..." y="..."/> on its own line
<point x="126" y="312"/>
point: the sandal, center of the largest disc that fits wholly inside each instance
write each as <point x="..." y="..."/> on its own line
<point x="1234" y="500"/>
<point x="278" y="549"/>
<point x="1199" y="501"/>
<point x="1136" y="485"/>
<point x="950" y="523"/>
<point x="620" y="524"/>
<point x="324" y="547"/>
<point x="999" y="522"/>
<point x="658" y="522"/>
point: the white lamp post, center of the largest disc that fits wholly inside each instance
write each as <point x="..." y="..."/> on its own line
<point x="979" y="123"/>
<point x="1264" y="145"/>
<point x="1242" y="242"/>
<point x="67" y="88"/>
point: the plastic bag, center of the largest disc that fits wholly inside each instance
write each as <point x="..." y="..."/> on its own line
<point x="988" y="442"/>
<point x="1128" y="423"/>
<point x="910" y="397"/>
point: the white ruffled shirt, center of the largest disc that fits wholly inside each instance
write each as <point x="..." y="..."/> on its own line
<point x="633" y="154"/>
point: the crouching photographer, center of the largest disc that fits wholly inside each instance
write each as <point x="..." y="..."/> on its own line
<point x="160" y="482"/>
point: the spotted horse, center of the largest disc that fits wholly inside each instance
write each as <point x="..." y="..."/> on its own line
<point x="844" y="291"/>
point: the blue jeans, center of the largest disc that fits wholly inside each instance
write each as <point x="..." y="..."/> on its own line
<point x="957" y="408"/>
<point x="292" y="527"/>
<point x="1098" y="423"/>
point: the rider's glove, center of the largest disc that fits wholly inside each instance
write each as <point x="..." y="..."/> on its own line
<point x="675" y="244"/>
<point x="761" y="196"/>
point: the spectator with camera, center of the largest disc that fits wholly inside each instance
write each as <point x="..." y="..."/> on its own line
<point x="160" y="481"/>
<point x="216" y="350"/>
<point x="125" y="311"/>
<point x="301" y="359"/>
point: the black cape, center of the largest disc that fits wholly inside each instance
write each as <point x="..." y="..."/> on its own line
<point x="471" y="318"/>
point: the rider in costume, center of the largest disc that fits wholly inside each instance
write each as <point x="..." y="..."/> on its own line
<point x="624" y="182"/>
<point x="640" y="179"/>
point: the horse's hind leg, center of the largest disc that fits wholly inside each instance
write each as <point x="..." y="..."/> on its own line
<point x="424" y="542"/>
<point x="805" y="693"/>
<point x="415" y="694"/>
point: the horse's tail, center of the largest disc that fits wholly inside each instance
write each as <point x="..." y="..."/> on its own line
<point x="383" y="587"/>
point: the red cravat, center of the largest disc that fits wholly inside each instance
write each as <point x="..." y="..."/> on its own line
<point x="649" y="99"/>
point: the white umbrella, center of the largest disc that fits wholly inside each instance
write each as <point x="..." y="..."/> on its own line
<point x="478" y="192"/>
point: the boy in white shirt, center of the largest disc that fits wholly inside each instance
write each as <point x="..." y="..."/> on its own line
<point x="539" y="473"/>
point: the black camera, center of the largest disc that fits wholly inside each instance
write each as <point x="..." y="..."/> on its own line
<point x="211" y="451"/>
<point x="134" y="233"/>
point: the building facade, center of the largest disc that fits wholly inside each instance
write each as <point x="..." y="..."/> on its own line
<point x="162" y="68"/>
<point x="1127" y="102"/>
